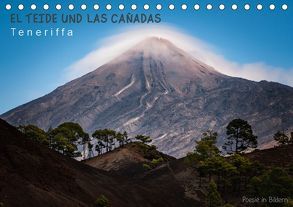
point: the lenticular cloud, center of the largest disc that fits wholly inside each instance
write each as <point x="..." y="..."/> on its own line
<point x="111" y="47"/>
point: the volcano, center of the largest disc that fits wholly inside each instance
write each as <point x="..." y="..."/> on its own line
<point x="157" y="89"/>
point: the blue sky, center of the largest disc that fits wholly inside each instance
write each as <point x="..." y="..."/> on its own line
<point x="32" y="67"/>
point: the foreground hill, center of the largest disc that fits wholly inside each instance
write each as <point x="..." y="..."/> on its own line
<point x="281" y="156"/>
<point x="159" y="90"/>
<point x="32" y="175"/>
<point x="127" y="160"/>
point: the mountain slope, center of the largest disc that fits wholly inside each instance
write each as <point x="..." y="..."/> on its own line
<point x="32" y="175"/>
<point x="159" y="90"/>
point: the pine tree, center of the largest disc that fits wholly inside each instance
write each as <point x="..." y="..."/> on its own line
<point x="206" y="147"/>
<point x="213" y="197"/>
<point x="144" y="139"/>
<point x="66" y="137"/>
<point x="240" y="137"/>
<point x="90" y="148"/>
<point x="106" y="139"/>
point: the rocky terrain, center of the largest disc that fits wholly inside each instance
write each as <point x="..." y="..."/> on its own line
<point x="159" y="90"/>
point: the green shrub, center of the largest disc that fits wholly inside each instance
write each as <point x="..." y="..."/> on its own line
<point x="156" y="162"/>
<point x="146" y="166"/>
<point x="150" y="152"/>
<point x="102" y="201"/>
<point x="274" y="182"/>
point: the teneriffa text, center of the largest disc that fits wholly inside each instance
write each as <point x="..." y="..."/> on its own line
<point x="52" y="32"/>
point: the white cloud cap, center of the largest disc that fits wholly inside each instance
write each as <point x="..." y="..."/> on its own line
<point x="113" y="46"/>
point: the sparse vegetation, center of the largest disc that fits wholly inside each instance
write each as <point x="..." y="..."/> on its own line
<point x="144" y="139"/>
<point x="236" y="175"/>
<point x="146" y="166"/>
<point x="102" y="201"/>
<point x="273" y="183"/>
<point x="153" y="164"/>
<point x="34" y="133"/>
<point x="213" y="198"/>
<point x="105" y="138"/>
<point x="206" y="147"/>
<point x="283" y="139"/>
<point x="156" y="162"/>
<point x="66" y="137"/>
<point x="150" y="151"/>
<point x="63" y="139"/>
<point x="122" y="138"/>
